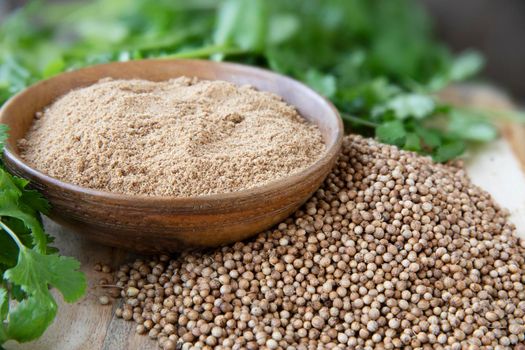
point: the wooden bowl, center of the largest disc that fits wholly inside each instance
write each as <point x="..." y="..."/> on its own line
<point x="163" y="224"/>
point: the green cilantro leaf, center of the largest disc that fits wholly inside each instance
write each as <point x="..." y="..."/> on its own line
<point x="431" y="138"/>
<point x="471" y="126"/>
<point x="4" y="305"/>
<point x="35" y="200"/>
<point x="35" y="272"/>
<point x="12" y="206"/>
<point x="31" y="317"/>
<point x="3" y="135"/>
<point x="4" y="309"/>
<point x="282" y="27"/>
<point x="9" y="251"/>
<point x="412" y="142"/>
<point x="466" y="65"/>
<point x="17" y="293"/>
<point x="404" y="106"/>
<point x="243" y="23"/>
<point x="325" y="84"/>
<point x="393" y="133"/>
<point x="54" y="67"/>
<point x="448" y="151"/>
<point x="462" y="67"/>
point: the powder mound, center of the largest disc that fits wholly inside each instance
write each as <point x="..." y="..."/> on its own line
<point x="392" y="252"/>
<point x="183" y="137"/>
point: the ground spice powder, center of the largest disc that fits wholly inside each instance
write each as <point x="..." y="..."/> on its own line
<point x="182" y="137"/>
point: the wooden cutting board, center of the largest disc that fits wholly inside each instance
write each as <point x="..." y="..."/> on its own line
<point x="87" y="325"/>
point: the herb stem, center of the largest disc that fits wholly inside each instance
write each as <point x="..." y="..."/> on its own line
<point x="207" y="51"/>
<point x="12" y="234"/>
<point x="357" y="120"/>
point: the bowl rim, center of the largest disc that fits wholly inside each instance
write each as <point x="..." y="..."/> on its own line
<point x="35" y="175"/>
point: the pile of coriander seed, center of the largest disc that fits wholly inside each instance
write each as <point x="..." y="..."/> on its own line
<point x="393" y="251"/>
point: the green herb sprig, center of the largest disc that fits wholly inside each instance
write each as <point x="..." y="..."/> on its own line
<point x="376" y="60"/>
<point x="29" y="266"/>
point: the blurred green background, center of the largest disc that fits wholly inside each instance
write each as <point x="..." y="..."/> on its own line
<point x="495" y="28"/>
<point x="379" y="61"/>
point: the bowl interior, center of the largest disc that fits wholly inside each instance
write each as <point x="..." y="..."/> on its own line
<point x="19" y="111"/>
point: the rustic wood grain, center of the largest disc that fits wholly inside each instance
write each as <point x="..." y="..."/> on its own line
<point x="89" y="325"/>
<point x="516" y="138"/>
<point x="157" y="224"/>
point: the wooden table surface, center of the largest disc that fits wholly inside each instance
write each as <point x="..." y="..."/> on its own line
<point x="497" y="167"/>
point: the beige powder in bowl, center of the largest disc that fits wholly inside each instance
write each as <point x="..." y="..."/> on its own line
<point x="183" y="137"/>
